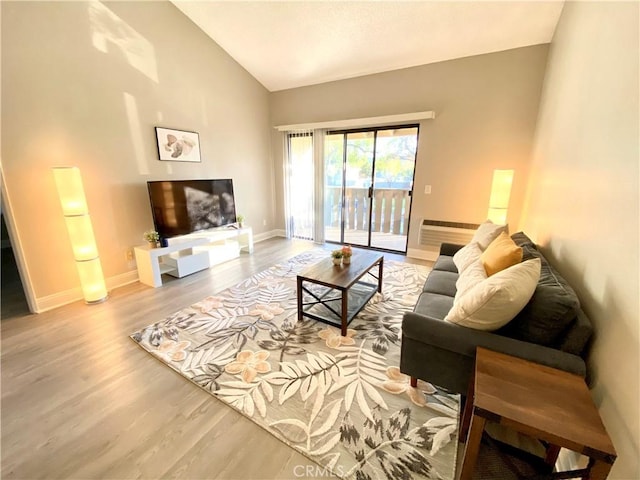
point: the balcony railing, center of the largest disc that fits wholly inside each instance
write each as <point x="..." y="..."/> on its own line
<point x="390" y="208"/>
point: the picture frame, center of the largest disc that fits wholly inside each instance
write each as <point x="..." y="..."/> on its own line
<point x="177" y="145"/>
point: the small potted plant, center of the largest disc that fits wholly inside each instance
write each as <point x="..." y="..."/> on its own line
<point x="240" y="219"/>
<point x="152" y="237"/>
<point x="337" y="257"/>
<point x="346" y="254"/>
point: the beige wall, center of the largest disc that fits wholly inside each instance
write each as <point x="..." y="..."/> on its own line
<point x="583" y="204"/>
<point x="84" y="83"/>
<point x="486" y="108"/>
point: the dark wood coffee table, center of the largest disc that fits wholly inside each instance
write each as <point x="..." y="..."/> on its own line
<point x="338" y="292"/>
<point x="539" y="401"/>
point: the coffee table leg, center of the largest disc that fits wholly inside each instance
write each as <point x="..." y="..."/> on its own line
<point x="345" y="311"/>
<point x="472" y="447"/>
<point x="380" y="267"/>
<point x="299" y="298"/>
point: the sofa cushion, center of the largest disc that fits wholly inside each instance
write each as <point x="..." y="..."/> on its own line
<point x="466" y="256"/>
<point x="497" y="300"/>
<point x="441" y="282"/>
<point x="445" y="263"/>
<point x="433" y="305"/>
<point x="486" y="233"/>
<point x="449" y="249"/>
<point x="551" y="310"/>
<point x="501" y="254"/>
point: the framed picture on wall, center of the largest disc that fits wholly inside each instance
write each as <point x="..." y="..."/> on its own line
<point x="178" y="145"/>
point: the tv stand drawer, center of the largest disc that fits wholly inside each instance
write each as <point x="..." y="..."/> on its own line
<point x="186" y="264"/>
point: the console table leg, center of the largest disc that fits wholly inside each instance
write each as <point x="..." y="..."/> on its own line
<point x="472" y="447"/>
<point x="467" y="412"/>
<point x="552" y="455"/>
<point x="598" y="470"/>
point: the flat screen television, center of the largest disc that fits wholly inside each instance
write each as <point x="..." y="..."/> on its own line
<point x="180" y="207"/>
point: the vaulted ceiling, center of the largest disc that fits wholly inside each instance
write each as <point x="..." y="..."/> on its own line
<point x="287" y="44"/>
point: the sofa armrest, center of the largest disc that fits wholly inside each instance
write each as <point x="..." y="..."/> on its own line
<point x="449" y="249"/>
<point x="576" y="339"/>
<point x="464" y="341"/>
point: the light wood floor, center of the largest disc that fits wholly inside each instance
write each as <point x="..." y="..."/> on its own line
<point x="82" y="400"/>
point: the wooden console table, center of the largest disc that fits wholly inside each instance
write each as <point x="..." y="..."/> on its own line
<point x="539" y="401"/>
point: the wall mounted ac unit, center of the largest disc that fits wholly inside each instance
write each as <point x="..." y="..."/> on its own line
<point x="433" y="233"/>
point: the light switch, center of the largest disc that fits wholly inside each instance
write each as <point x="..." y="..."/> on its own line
<point x="427" y="189"/>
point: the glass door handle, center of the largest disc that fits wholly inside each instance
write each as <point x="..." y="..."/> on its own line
<point x="370" y="191"/>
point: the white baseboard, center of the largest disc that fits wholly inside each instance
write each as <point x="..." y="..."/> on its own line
<point x="59" y="299"/>
<point x="422" y="254"/>
<point x="260" y="237"/>
<point x="122" y="279"/>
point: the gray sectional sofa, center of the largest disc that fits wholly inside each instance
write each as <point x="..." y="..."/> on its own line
<point x="551" y="329"/>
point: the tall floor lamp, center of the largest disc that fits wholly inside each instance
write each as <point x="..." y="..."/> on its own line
<point x="76" y="216"/>
<point x="500" y="193"/>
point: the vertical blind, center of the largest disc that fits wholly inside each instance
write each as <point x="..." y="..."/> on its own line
<point x="299" y="176"/>
<point x="303" y="177"/>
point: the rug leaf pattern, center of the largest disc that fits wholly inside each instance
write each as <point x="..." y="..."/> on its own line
<point x="341" y="401"/>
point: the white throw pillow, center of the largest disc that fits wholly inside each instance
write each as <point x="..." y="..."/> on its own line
<point x="486" y="233"/>
<point x="470" y="277"/>
<point x="495" y="301"/>
<point x="466" y="256"/>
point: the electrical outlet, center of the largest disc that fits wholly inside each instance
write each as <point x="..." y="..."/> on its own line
<point x="264" y="222"/>
<point x="131" y="258"/>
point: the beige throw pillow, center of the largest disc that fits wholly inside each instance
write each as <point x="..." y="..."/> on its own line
<point x="466" y="256"/>
<point x="471" y="276"/>
<point x="501" y="254"/>
<point x="495" y="301"/>
<point x="486" y="233"/>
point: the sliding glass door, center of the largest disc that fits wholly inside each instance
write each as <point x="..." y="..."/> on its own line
<point x="395" y="162"/>
<point x="358" y="176"/>
<point x="333" y="180"/>
<point x="368" y="186"/>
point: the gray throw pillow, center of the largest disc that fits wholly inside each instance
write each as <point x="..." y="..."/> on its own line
<point x="552" y="308"/>
<point x="521" y="239"/>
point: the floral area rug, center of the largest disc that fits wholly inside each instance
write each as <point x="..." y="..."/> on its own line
<point x="341" y="401"/>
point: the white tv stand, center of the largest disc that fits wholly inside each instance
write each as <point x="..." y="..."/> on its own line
<point x="191" y="253"/>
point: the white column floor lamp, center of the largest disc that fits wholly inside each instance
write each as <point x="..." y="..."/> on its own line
<point x="76" y="216"/>
<point x="500" y="194"/>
